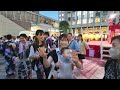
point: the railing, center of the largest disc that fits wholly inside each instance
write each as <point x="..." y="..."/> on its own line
<point x="28" y="16"/>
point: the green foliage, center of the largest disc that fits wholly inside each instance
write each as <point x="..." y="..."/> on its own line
<point x="64" y="25"/>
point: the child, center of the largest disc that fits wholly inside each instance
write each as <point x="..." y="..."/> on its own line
<point x="67" y="65"/>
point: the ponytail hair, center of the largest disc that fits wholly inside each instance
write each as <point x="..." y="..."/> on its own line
<point x="36" y="42"/>
<point x="80" y="35"/>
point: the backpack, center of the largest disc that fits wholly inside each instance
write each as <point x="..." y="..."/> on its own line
<point x="9" y="52"/>
<point x="52" y="67"/>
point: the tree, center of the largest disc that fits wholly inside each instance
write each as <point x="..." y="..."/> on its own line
<point x="64" y="25"/>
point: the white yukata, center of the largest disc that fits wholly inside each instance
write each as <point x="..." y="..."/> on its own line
<point x="65" y="72"/>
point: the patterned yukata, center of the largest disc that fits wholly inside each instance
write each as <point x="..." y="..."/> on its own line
<point x="9" y="54"/>
<point x="37" y="64"/>
<point x="24" y="65"/>
<point x="112" y="69"/>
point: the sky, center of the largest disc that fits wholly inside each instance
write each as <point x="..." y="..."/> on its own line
<point x="51" y="14"/>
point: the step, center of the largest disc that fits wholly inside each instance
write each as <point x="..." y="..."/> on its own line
<point x="106" y="46"/>
<point x="104" y="55"/>
<point x="105" y="50"/>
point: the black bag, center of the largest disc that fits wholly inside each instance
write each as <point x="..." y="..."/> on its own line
<point x="9" y="50"/>
<point x="28" y="51"/>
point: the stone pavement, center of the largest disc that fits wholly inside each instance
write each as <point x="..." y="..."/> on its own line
<point x="93" y="68"/>
<point x="3" y="73"/>
<point x="2" y="68"/>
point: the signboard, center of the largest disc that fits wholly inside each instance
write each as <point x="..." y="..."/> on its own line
<point x="91" y="53"/>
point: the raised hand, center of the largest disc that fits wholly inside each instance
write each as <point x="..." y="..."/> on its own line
<point x="42" y="52"/>
<point x="75" y="56"/>
<point x="58" y="64"/>
<point x="13" y="45"/>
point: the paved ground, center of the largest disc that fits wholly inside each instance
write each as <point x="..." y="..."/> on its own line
<point x="93" y="68"/>
<point x="2" y="68"/>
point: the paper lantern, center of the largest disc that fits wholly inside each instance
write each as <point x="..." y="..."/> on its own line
<point x="105" y="36"/>
<point x="85" y="36"/>
<point x="91" y="36"/>
<point x="97" y="36"/>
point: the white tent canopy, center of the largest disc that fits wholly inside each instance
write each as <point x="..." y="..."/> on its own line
<point x="44" y="27"/>
<point x="28" y="33"/>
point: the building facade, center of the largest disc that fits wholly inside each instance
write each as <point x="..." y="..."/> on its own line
<point x="24" y="20"/>
<point x="86" y="21"/>
<point x="37" y="12"/>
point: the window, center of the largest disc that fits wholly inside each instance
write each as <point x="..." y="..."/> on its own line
<point x="105" y="12"/>
<point x="104" y="16"/>
<point x="69" y="18"/>
<point x="79" y="15"/>
<point x="84" y="21"/>
<point x="73" y="23"/>
<point x="79" y="21"/>
<point x="78" y="18"/>
<point x="90" y="20"/>
<point x="97" y="20"/>
<point x="62" y="19"/>
<point x="90" y="17"/>
<point x="91" y="14"/>
<point x="85" y="14"/>
<point x="74" y="16"/>
<point x="97" y="14"/>
<point x="104" y="19"/>
<point x="97" y="17"/>
<point x="62" y="14"/>
<point x="69" y="15"/>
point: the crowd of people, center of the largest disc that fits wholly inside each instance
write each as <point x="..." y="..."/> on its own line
<point x="47" y="56"/>
<point x="50" y="58"/>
